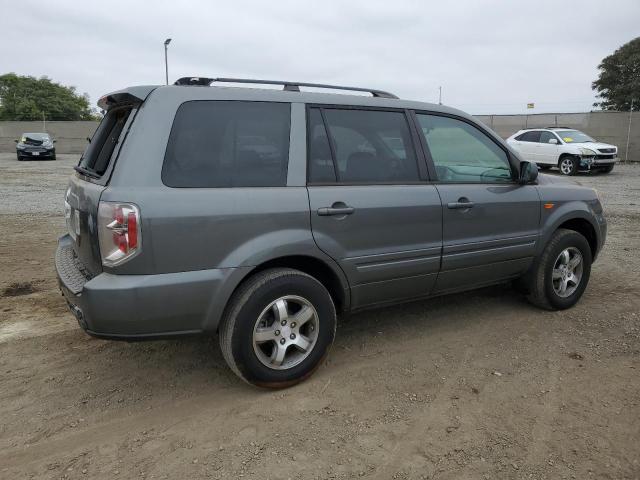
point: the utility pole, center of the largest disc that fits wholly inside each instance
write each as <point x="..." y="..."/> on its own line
<point x="44" y="124"/>
<point x="440" y="96"/>
<point x="629" y="132"/>
<point x="166" y="64"/>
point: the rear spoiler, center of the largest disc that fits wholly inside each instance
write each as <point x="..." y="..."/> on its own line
<point x="127" y="96"/>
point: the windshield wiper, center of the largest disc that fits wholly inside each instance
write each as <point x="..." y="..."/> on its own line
<point x="86" y="172"/>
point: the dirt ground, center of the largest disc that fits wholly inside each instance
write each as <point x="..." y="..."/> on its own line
<point x="480" y="385"/>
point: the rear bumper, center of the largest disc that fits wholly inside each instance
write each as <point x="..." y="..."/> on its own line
<point x="135" y="307"/>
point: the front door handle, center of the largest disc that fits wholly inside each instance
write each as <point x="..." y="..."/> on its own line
<point x="462" y="204"/>
<point x="337" y="208"/>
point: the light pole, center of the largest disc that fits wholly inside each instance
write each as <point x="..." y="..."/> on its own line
<point x="637" y="75"/>
<point x="440" y="96"/>
<point x="626" y="155"/>
<point x="166" y="65"/>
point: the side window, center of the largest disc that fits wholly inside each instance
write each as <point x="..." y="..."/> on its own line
<point x="462" y="153"/>
<point x="529" y="137"/>
<point x="228" y="144"/>
<point x="367" y="146"/>
<point x="546" y="136"/>
<point x="320" y="161"/>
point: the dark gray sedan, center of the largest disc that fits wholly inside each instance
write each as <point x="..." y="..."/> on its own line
<point x="37" y="146"/>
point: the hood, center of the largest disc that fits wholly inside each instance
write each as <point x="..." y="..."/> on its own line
<point x="593" y="145"/>
<point x="546" y="179"/>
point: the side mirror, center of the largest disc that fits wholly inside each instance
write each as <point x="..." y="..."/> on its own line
<point x="89" y="139"/>
<point x="553" y="141"/>
<point x="528" y="172"/>
<point x="16" y="141"/>
<point x="54" y="141"/>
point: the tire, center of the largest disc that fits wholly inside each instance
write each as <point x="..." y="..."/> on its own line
<point x="607" y="169"/>
<point x="544" y="288"/>
<point x="256" y="311"/>
<point x="568" y="165"/>
<point x="19" y="158"/>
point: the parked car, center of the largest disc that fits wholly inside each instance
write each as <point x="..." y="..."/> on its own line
<point x="39" y="146"/>
<point x="261" y="215"/>
<point x="568" y="149"/>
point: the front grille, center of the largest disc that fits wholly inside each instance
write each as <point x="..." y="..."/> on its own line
<point x="35" y="149"/>
<point x="605" y="157"/>
<point x="607" y="150"/>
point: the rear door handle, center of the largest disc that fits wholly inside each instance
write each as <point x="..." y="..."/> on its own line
<point x="336" y="210"/>
<point x="461" y="204"/>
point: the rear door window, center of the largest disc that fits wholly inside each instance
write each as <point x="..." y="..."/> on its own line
<point x="98" y="153"/>
<point x="217" y="144"/>
<point x="529" y="137"/>
<point x="366" y="146"/>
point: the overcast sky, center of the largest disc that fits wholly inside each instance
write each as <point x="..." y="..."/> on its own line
<point x="489" y="56"/>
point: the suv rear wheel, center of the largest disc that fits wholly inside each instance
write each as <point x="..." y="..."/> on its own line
<point x="562" y="272"/>
<point x="278" y="328"/>
<point x="568" y="165"/>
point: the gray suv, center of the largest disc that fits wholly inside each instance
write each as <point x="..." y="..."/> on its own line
<point x="262" y="214"/>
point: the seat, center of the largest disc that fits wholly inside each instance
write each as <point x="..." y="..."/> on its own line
<point x="365" y="167"/>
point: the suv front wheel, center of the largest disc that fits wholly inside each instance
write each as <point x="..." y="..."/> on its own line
<point x="568" y="165"/>
<point x="561" y="274"/>
<point x="278" y="328"/>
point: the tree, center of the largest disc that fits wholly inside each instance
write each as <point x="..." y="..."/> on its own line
<point x="619" y="80"/>
<point x="28" y="98"/>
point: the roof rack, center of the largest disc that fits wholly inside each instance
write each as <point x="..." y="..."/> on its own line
<point x="288" y="86"/>
<point x="558" y="126"/>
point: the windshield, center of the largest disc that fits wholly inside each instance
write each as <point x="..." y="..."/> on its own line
<point x="36" y="136"/>
<point x="574" y="136"/>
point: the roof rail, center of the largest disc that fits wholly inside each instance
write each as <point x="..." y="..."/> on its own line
<point x="289" y="86"/>
<point x="558" y="126"/>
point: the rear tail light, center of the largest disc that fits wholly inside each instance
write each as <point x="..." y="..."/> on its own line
<point x="118" y="232"/>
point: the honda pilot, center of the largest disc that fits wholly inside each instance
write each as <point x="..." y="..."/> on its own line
<point x="260" y="215"/>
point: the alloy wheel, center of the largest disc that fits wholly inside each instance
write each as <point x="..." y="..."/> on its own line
<point x="285" y="332"/>
<point x="567" y="272"/>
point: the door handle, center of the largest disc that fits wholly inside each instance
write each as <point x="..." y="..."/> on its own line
<point x="462" y="204"/>
<point x="338" y="208"/>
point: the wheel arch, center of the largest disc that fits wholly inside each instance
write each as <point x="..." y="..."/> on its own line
<point x="329" y="275"/>
<point x="573" y="216"/>
<point x="586" y="229"/>
<point x="564" y="155"/>
<point x="325" y="270"/>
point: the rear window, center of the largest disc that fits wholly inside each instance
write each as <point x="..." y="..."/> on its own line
<point x="98" y="153"/>
<point x="217" y="144"/>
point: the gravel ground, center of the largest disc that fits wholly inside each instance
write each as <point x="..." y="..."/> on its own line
<point x="480" y="385"/>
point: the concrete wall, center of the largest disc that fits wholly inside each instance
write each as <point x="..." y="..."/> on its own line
<point x="71" y="136"/>
<point x="608" y="127"/>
